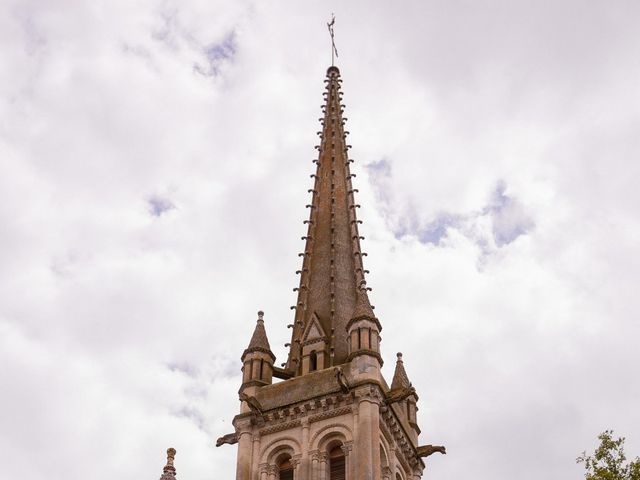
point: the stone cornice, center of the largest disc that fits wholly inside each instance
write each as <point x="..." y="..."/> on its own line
<point x="365" y="351"/>
<point x="367" y="318"/>
<point x="257" y="349"/>
<point x="311" y="341"/>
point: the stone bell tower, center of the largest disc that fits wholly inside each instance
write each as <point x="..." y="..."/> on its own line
<point x="333" y="416"/>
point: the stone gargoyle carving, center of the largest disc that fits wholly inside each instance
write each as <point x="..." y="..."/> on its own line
<point x="399" y="394"/>
<point x="254" y="404"/>
<point x="342" y="379"/>
<point x="426" y="450"/>
<point x="228" y="439"/>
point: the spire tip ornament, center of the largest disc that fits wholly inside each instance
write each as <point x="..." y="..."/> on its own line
<point x="334" y="50"/>
<point x="169" y="471"/>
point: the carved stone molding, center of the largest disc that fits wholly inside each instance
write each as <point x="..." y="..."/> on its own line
<point x="330" y="413"/>
<point x="280" y="427"/>
<point x="346" y="448"/>
<point x="315" y="455"/>
<point x="386" y="473"/>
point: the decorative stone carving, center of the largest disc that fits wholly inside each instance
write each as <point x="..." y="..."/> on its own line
<point x="228" y="439"/>
<point x="426" y="450"/>
<point x="342" y="380"/>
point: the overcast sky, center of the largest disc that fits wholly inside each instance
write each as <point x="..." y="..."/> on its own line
<point x="154" y="168"/>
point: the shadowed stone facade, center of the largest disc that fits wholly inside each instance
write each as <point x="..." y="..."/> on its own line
<point x="333" y="416"/>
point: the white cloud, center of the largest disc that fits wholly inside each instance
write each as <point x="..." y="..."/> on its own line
<point x="154" y="162"/>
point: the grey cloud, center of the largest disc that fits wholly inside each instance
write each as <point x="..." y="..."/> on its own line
<point x="507" y="215"/>
<point x="217" y="54"/>
<point x="159" y="205"/>
<point x="504" y="131"/>
<point x="509" y="218"/>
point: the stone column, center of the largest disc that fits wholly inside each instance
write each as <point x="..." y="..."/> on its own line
<point x="364" y="467"/>
<point x="297" y="474"/>
<point x="315" y="465"/>
<point x="392" y="461"/>
<point x="255" y="471"/>
<point x="375" y="439"/>
<point x="324" y="457"/>
<point x="304" y="459"/>
<point x="243" y="465"/>
<point x="346" y="449"/>
<point x="368" y="442"/>
<point x="354" y="468"/>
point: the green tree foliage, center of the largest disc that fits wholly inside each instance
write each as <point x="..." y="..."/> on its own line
<point x="609" y="462"/>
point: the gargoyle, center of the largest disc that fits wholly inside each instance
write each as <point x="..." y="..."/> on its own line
<point x="342" y="379"/>
<point x="397" y="395"/>
<point x="254" y="404"/>
<point x="229" y="439"/>
<point x="426" y="450"/>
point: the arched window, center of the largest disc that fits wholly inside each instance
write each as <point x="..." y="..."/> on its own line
<point x="285" y="469"/>
<point x="313" y="361"/>
<point x="337" y="466"/>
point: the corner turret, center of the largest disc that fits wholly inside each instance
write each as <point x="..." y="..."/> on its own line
<point x="257" y="359"/>
<point x="363" y="332"/>
<point x="404" y="396"/>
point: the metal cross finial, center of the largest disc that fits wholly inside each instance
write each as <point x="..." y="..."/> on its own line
<point x="334" y="50"/>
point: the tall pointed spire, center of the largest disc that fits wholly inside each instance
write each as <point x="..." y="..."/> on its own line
<point x="169" y="471"/>
<point x="332" y="267"/>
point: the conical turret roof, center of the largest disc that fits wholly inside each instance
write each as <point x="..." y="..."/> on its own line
<point x="332" y="266"/>
<point x="400" y="378"/>
<point x="363" y="308"/>
<point x="259" y="341"/>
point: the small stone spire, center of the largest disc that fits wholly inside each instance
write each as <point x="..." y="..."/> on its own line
<point x="363" y="307"/>
<point x="259" y="341"/>
<point x="400" y="378"/>
<point x="169" y="471"/>
<point x="257" y="359"/>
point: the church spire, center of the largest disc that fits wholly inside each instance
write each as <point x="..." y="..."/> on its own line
<point x="332" y="268"/>
<point x="169" y="471"/>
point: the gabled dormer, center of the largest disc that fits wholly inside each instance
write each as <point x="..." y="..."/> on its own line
<point x="314" y="346"/>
